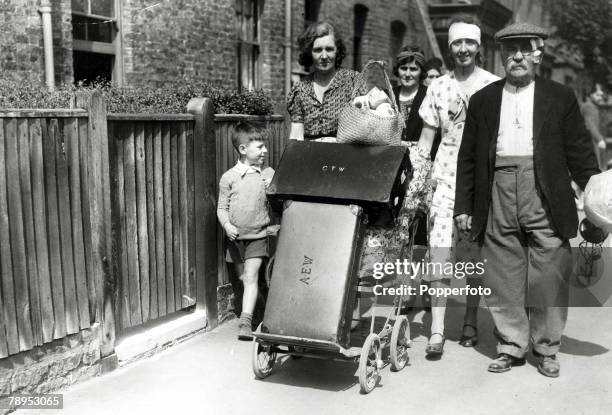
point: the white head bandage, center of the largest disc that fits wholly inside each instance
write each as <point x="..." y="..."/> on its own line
<point x="462" y="30"/>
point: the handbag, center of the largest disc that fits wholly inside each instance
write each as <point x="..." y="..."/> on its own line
<point x="362" y="126"/>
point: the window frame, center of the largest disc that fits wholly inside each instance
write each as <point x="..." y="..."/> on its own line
<point x="105" y="48"/>
<point x="249" y="70"/>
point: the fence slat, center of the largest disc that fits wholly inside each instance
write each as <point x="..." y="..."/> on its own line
<point x="184" y="201"/>
<point x="40" y="228"/>
<point x="124" y="284"/>
<point x="63" y="175"/>
<point x="191" y="228"/>
<point x="174" y="137"/>
<point x="206" y="263"/>
<point x="3" y="339"/>
<point x="85" y="213"/>
<point x="8" y="320"/>
<point x="159" y="219"/>
<point x="20" y="273"/>
<point x="129" y="172"/>
<point x="28" y="228"/>
<point x="50" y="136"/>
<point x="143" y="238"/>
<point x="71" y="129"/>
<point x="150" y="173"/>
<point x="170" y="306"/>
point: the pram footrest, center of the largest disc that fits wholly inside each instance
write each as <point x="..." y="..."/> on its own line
<point x="307" y="343"/>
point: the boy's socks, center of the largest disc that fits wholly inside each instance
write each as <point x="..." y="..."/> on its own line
<point x="246" y="319"/>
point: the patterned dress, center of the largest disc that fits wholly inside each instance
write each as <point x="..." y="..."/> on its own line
<point x="445" y="106"/>
<point x="320" y="119"/>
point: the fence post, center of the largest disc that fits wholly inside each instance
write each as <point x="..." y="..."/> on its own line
<point x="204" y="165"/>
<point x="98" y="219"/>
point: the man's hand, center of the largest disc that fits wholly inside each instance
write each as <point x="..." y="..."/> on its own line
<point x="231" y="231"/>
<point x="464" y="222"/>
<point x="602" y="145"/>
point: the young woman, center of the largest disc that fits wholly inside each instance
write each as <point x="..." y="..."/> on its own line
<point x="445" y="107"/>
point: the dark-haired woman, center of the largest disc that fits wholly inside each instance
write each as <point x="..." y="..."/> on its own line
<point x="433" y="70"/>
<point x="314" y="103"/>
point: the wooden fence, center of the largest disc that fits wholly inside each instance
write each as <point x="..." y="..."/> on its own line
<point x="152" y="192"/>
<point x="110" y="219"/>
<point x="49" y="241"/>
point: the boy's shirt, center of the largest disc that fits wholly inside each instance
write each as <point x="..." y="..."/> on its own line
<point x="242" y="199"/>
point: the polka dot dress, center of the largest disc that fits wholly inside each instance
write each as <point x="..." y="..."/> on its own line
<point x="445" y="106"/>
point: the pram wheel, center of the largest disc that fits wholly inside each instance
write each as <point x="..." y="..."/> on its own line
<point x="369" y="363"/>
<point x="263" y="359"/>
<point x="400" y="342"/>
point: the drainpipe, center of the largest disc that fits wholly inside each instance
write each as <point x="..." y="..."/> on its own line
<point x="45" y="11"/>
<point x="288" y="44"/>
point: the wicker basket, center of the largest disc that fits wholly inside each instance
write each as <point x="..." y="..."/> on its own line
<point x="362" y="126"/>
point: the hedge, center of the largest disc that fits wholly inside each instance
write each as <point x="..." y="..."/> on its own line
<point x="165" y="99"/>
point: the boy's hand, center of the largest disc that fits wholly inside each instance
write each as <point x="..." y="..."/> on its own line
<point x="272" y="230"/>
<point x="231" y="231"/>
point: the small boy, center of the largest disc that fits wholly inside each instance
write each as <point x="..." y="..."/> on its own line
<point x="243" y="212"/>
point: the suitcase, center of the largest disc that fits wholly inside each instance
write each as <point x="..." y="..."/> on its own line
<point x="374" y="177"/>
<point x="312" y="289"/>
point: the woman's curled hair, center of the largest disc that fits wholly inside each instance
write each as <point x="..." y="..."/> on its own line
<point x="307" y="39"/>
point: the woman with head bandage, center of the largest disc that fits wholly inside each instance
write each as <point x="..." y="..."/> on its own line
<point x="444" y="107"/>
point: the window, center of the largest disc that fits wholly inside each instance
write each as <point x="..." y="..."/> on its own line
<point x="311" y="12"/>
<point x="95" y="41"/>
<point x="248" y="12"/>
<point x="398" y="32"/>
<point x="359" y="21"/>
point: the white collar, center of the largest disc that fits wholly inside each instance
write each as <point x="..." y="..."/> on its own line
<point x="243" y="168"/>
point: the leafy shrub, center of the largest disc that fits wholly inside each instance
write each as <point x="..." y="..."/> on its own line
<point x="172" y="98"/>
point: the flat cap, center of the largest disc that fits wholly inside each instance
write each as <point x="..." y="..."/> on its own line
<point x="519" y="30"/>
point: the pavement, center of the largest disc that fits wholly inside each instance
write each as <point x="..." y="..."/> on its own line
<point x="211" y="373"/>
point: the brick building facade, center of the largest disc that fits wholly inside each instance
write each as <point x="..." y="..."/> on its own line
<point x="231" y="43"/>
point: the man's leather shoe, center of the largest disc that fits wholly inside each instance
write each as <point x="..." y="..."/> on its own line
<point x="504" y="363"/>
<point x="549" y="366"/>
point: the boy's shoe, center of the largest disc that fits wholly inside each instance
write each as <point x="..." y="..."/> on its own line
<point x="244" y="332"/>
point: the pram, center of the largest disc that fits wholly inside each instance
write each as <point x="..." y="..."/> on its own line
<point x="329" y="193"/>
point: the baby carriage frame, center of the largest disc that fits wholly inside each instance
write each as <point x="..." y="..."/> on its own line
<point x="394" y="334"/>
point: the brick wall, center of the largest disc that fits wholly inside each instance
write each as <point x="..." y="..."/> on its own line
<point x="376" y="38"/>
<point x="21" y="40"/>
<point x="181" y="39"/>
<point x="53" y="366"/>
<point x="195" y="39"/>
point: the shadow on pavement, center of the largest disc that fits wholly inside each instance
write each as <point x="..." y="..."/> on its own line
<point x="577" y="347"/>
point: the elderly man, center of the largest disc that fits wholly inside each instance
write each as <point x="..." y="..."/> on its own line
<point x="523" y="142"/>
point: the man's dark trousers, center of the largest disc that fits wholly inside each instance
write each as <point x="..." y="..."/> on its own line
<point x="527" y="264"/>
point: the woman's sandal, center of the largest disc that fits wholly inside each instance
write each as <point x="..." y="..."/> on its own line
<point x="469" y="341"/>
<point x="435" y="349"/>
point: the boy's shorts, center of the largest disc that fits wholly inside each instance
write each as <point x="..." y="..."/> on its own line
<point x="239" y="250"/>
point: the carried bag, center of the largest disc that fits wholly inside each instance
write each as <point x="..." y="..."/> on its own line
<point x="598" y="200"/>
<point x="362" y="126"/>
